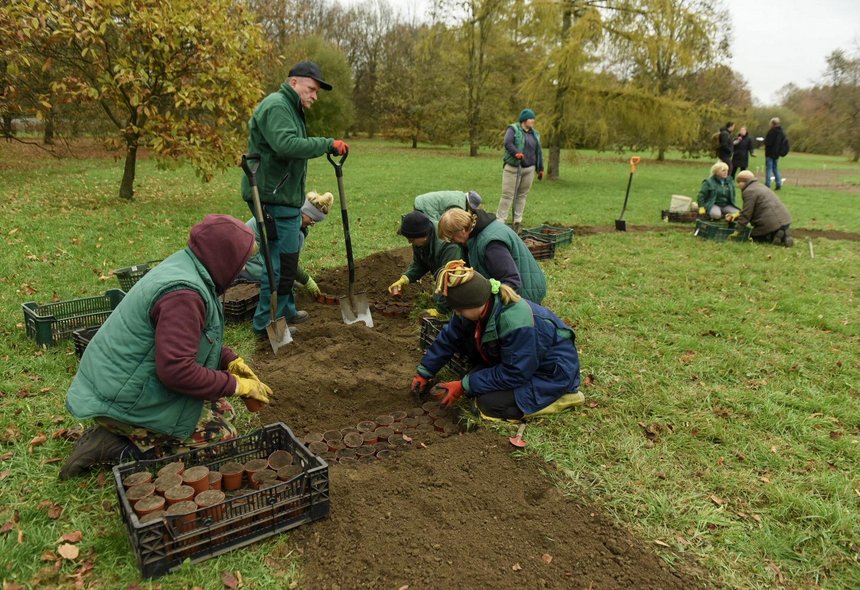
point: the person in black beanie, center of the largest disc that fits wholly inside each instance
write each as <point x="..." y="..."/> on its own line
<point x="429" y="253"/>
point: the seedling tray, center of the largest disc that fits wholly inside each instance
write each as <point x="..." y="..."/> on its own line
<point x="679" y="216"/>
<point x="245" y="517"/>
<point x="720" y="231"/>
<point x="549" y="233"/>
<point x="82" y="337"/>
<point x="241" y="307"/>
<point x="130" y="275"/>
<point x="539" y="247"/>
<point x="430" y="328"/>
<point x="52" y="322"/>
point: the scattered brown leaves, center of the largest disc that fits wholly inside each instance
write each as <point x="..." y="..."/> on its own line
<point x="11" y="434"/>
<point x="69" y="551"/>
<point x="547" y="558"/>
<point x="54" y="509"/>
<point x="4" y="474"/>
<point x="716" y="500"/>
<point x="6" y="456"/>
<point x="73" y="537"/>
<point x="516" y="567"/>
<point x="687" y="357"/>
<point x="231" y="580"/>
<point x="589" y="380"/>
<point x="36" y="441"/>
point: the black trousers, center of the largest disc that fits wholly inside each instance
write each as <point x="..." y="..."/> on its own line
<point x="499" y="404"/>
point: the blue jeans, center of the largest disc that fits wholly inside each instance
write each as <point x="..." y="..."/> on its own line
<point x="771" y="169"/>
<point x="285" y="261"/>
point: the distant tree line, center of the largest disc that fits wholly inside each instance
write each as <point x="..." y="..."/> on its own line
<point x="181" y="78"/>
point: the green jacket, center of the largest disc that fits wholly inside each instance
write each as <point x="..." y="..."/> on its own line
<point x="116" y="377"/>
<point x="714" y="192"/>
<point x="277" y="132"/>
<point x="432" y="256"/>
<point x="520" y="142"/>
<point x="434" y="204"/>
<point x="533" y="280"/>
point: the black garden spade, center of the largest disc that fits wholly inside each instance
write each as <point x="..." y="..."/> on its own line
<point x="621" y="223"/>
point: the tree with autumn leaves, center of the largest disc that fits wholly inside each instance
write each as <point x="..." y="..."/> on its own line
<point x="169" y="76"/>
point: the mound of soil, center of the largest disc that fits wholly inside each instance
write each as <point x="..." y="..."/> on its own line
<point x="461" y="511"/>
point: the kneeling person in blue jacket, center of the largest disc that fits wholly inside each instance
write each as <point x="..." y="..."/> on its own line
<point x="527" y="364"/>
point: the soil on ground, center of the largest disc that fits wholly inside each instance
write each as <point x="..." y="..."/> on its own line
<point x="462" y="510"/>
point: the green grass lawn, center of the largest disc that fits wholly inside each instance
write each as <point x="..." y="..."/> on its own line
<point x="722" y="413"/>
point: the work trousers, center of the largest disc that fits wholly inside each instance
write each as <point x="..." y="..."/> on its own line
<point x="516" y="183"/>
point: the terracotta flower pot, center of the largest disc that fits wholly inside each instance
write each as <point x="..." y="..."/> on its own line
<point x="348" y="429"/>
<point x="152" y="516"/>
<point x="215" y="478"/>
<point x="353" y="440"/>
<point x="384" y="420"/>
<point x="178" y="494"/>
<point x="182" y="515"/>
<point x="365" y="451"/>
<point x="427" y="427"/>
<point x="197" y="477"/>
<point x="253" y="405"/>
<point x="253" y="466"/>
<point x="429" y="406"/>
<point x="398" y="415"/>
<point x="385" y="454"/>
<point x="212" y="501"/>
<point x="397" y="441"/>
<point x="148" y="504"/>
<point x="398" y="427"/>
<point x="280" y="458"/>
<point x="177" y="467"/>
<point x="167" y="481"/>
<point x="382" y="445"/>
<point x="289" y="472"/>
<point x="137" y="478"/>
<point x="263" y="476"/>
<point x="369" y="438"/>
<point x="366" y="426"/>
<point x="410" y="422"/>
<point x="332" y="436"/>
<point x="331" y="300"/>
<point x="312" y="437"/>
<point x="318" y="448"/>
<point x="413" y="412"/>
<point x="232" y="473"/>
<point x="383" y="432"/>
<point x="139" y="492"/>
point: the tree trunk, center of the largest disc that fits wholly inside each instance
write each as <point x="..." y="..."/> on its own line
<point x="8" y="131"/>
<point x="556" y="138"/>
<point x="126" y="187"/>
<point x="414" y="141"/>
<point x="661" y="154"/>
<point x="48" y="135"/>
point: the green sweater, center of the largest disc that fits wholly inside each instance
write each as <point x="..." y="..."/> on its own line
<point x="277" y="132"/>
<point x="432" y="256"/>
<point x="533" y="280"/>
<point x="715" y="192"/>
<point x="116" y="377"/>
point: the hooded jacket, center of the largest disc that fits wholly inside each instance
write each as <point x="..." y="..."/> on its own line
<point x="763" y="209"/>
<point x="154" y="332"/>
<point x="716" y="191"/>
<point x="432" y="256"/>
<point x="434" y="204"/>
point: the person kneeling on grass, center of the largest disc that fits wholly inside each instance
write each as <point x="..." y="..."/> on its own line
<point x="717" y="194"/>
<point x="155" y="376"/>
<point x="527" y="364"/>
<point x="763" y="209"/>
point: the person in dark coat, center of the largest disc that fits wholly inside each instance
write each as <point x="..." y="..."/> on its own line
<point x="717" y="194"/>
<point x="772" y="145"/>
<point x="724" y="151"/>
<point x="743" y="149"/>
<point x="763" y="209"/>
<point x="526" y="359"/>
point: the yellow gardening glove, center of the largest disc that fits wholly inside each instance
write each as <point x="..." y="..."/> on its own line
<point x="239" y="368"/>
<point x="398" y="285"/>
<point x="701" y="210"/>
<point x="693" y="206"/>
<point x="253" y="388"/>
<point x="312" y="287"/>
<point x="732" y="216"/>
<point x="734" y="235"/>
<point x="432" y="312"/>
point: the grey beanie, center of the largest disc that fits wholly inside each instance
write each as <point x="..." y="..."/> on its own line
<point x="312" y="211"/>
<point x="474" y="200"/>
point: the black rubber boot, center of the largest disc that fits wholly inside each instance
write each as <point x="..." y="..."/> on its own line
<point x="96" y="447"/>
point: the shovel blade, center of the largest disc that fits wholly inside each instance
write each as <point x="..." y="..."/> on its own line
<point x="517" y="440"/>
<point x="354" y="308"/>
<point x="620" y="225"/>
<point x="278" y="334"/>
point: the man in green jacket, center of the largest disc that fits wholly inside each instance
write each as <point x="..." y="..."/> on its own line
<point x="434" y="204"/>
<point x="278" y="133"/>
<point x="523" y="161"/>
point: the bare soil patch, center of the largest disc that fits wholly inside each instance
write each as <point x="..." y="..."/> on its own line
<point x="460" y="511"/>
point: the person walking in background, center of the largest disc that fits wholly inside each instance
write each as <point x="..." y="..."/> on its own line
<point x="277" y="132"/>
<point x="314" y="210"/>
<point x="743" y="149"/>
<point x="717" y="194"/>
<point x="495" y="251"/>
<point x="434" y="204"/>
<point x="523" y="160"/>
<point x="155" y="377"/>
<point x="429" y="253"/>
<point x="525" y="356"/>
<point x="724" y="151"/>
<point x="775" y="146"/>
<point x="763" y="209"/>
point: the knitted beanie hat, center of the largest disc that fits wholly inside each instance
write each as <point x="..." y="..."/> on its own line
<point x="474" y="200"/>
<point x="462" y="287"/>
<point x="415" y="225"/>
<point x="526" y="114"/>
<point x="317" y="206"/>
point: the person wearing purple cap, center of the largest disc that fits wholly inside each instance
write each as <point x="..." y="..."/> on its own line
<point x="277" y="132"/>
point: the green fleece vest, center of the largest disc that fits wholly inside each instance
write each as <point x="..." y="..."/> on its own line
<point x="434" y="204"/>
<point x="520" y="143"/>
<point x="532" y="277"/>
<point x="116" y="377"/>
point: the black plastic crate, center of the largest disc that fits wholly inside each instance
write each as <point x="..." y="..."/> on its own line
<point x="720" y="231"/>
<point x="549" y="233"/>
<point x="82" y="337"/>
<point x="241" y="308"/>
<point x="130" y="275"/>
<point x="163" y="544"/>
<point x="49" y="323"/>
<point x="430" y="328"/>
<point x="539" y="247"/>
<point x="679" y="216"/>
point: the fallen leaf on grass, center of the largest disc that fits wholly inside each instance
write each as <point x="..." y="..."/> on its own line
<point x="661" y="543"/>
<point x="36" y="441"/>
<point x="4" y="474"/>
<point x="54" y="509"/>
<point x="547" y="558"/>
<point x="6" y="456"/>
<point x="589" y="380"/>
<point x="69" y="551"/>
<point x="516" y="567"/>
<point x="48" y="556"/>
<point x="716" y="500"/>
<point x="12" y="586"/>
<point x="404" y="587"/>
<point x="58" y="419"/>
<point x="229" y="580"/>
<point x="7" y="526"/>
<point x="11" y="434"/>
<point x="73" y="537"/>
<point x="777" y="572"/>
<point x="763" y="479"/>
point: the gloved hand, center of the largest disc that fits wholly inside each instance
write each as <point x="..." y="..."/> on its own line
<point x="519" y="155"/>
<point x="734" y="235"/>
<point x="339" y="147"/>
<point x="312" y="287"/>
<point x="693" y="206"/>
<point x="239" y="368"/>
<point x="540" y="175"/>
<point x="448" y="393"/>
<point x="432" y="312"/>
<point x="419" y="384"/>
<point x="701" y="210"/>
<point x="253" y="388"/>
<point x="397" y="286"/>
<point x="733" y="216"/>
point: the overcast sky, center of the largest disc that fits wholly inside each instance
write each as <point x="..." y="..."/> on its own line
<point x="775" y="41"/>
